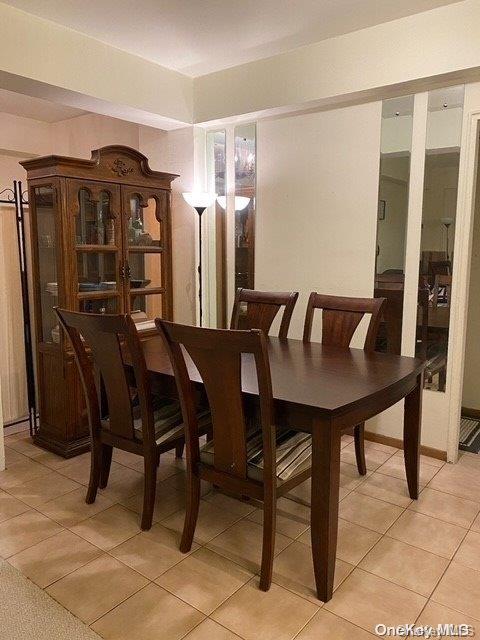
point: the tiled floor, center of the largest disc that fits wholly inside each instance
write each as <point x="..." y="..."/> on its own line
<point x="398" y="561"/>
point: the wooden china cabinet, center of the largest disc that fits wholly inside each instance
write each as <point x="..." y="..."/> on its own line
<point x="101" y="243"/>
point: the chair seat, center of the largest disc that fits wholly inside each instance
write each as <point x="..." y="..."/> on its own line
<point x="293" y="453"/>
<point x="168" y="421"/>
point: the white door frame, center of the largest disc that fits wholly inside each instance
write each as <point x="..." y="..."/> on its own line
<point x="461" y="277"/>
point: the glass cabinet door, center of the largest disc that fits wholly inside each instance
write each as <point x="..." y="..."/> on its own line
<point x="98" y="246"/>
<point x="146" y="214"/>
<point x="45" y="234"/>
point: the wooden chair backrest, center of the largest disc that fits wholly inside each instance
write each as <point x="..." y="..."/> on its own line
<point x="97" y="341"/>
<point x="442" y="282"/>
<point x="217" y="355"/>
<point x="262" y="308"/>
<point x="341" y="317"/>
<point x="392" y="316"/>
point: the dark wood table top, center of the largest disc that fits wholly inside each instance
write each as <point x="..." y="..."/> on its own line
<point x="327" y="379"/>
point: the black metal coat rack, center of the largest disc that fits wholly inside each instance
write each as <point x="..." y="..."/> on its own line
<point x="16" y="197"/>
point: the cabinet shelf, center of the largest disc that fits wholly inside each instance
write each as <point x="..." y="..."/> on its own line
<point x="96" y="248"/>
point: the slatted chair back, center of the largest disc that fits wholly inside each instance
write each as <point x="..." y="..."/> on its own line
<point x="98" y="342"/>
<point x="341" y="317"/>
<point x="262" y="309"/>
<point x="217" y="355"/>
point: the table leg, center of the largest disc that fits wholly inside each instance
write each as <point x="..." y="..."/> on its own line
<point x="324" y="504"/>
<point x="412" y="421"/>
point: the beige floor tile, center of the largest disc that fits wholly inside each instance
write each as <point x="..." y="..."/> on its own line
<point x="10" y="506"/>
<point x="242" y="543"/>
<point x="95" y="588"/>
<point x="204" y="579"/>
<point x="211" y="521"/>
<point x="128" y="459"/>
<point x="447" y="507"/>
<point x="150" y="614"/>
<point x="373" y="457"/>
<point x="368" y="512"/>
<point x="167" y="502"/>
<point x="388" y="488"/>
<point x="24" y="531"/>
<point x="468" y="553"/>
<point x="386" y="448"/>
<point x="346" y="440"/>
<point x="293" y="518"/>
<point x="302" y="492"/>
<point x="350" y="479"/>
<point x="211" y="630"/>
<point x="329" y="626"/>
<point x="51" y="460"/>
<point x="42" y="489"/>
<point x="71" y="508"/>
<point x="353" y="541"/>
<point x="54" y="558"/>
<point x="238" y="507"/>
<point x="123" y="483"/>
<point x="79" y="469"/>
<point x="21" y="472"/>
<point x="459" y="589"/>
<point x="405" y="565"/>
<point x="277" y="614"/>
<point x="109" y="528"/>
<point x="395" y="467"/>
<point x="23" y="443"/>
<point x="435" y="614"/>
<point x="12" y="457"/>
<point x="152" y="552"/>
<point x="366" y="600"/>
<point x="427" y="533"/>
<point x="293" y="569"/>
<point x="178" y="482"/>
<point x="476" y="524"/>
<point x="461" y="481"/>
<point x="433" y="462"/>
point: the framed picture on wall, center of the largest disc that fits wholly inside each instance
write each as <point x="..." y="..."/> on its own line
<point x="382" y="205"/>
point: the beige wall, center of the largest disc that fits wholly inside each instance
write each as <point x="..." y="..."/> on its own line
<point x="471" y="381"/>
<point x="23" y="137"/>
<point x="317" y="189"/>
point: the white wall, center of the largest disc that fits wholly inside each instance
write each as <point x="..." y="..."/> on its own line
<point x="471" y="381"/>
<point x="316" y="216"/>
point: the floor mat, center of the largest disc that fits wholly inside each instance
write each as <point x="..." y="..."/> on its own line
<point x="469" y="435"/>
<point x="28" y="613"/>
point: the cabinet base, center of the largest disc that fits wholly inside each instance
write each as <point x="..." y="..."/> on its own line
<point x="68" y="449"/>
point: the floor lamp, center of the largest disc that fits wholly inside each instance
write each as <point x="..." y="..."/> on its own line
<point x="447" y="223"/>
<point x="200" y="201"/>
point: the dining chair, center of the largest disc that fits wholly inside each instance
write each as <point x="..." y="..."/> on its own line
<point x="261" y="309"/>
<point x="263" y="462"/>
<point x="340" y="319"/>
<point x="437" y="350"/>
<point x="122" y="411"/>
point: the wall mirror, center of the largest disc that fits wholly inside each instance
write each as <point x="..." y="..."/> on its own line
<point x="394" y="177"/>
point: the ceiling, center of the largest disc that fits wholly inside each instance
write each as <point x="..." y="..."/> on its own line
<point x="19" y="104"/>
<point x="200" y="36"/>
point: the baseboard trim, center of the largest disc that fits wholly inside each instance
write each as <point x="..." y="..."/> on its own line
<point x="471" y="413"/>
<point x="396" y="442"/>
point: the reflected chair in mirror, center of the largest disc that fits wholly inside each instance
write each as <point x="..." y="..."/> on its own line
<point x="340" y="319"/>
<point x="258" y="309"/>
<point x="262" y="461"/>
<point x="389" y="338"/>
<point x="437" y="348"/>
<point x="122" y="411"/>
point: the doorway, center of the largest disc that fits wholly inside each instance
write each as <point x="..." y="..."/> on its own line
<point x="469" y="439"/>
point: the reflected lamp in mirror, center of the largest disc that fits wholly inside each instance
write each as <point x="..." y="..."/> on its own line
<point x="447" y="223"/>
<point x="241" y="202"/>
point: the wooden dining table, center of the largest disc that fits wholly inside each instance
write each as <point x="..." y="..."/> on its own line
<point x="326" y="391"/>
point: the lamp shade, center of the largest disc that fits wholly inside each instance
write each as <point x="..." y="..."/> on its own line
<point x="446" y="221"/>
<point x="240" y="202"/>
<point x="201" y="199"/>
